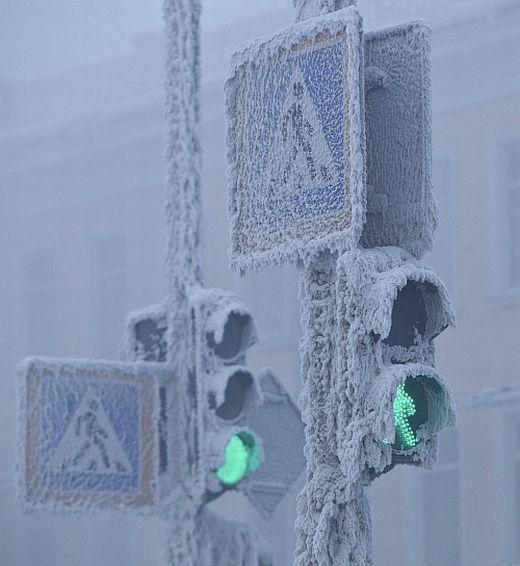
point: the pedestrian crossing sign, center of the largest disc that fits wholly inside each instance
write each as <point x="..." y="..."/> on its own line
<point x="296" y="142"/>
<point x="89" y="434"/>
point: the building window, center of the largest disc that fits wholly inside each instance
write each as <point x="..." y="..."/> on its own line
<point x="441" y="506"/>
<point x="38" y="284"/>
<point x="441" y="255"/>
<point x="109" y="293"/>
<point x="511" y="195"/>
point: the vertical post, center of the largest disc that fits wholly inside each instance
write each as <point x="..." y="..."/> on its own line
<point x="333" y="520"/>
<point x="183" y="256"/>
<point x="183" y="152"/>
<point x="315" y="502"/>
<point x="333" y="525"/>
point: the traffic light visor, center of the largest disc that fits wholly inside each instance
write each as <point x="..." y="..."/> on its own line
<point x="409" y="404"/>
<point x="407" y="305"/>
<point x="235" y="333"/>
<point x="232" y="392"/>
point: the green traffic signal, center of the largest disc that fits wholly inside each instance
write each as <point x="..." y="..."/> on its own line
<point x="241" y="457"/>
<point x="410" y="413"/>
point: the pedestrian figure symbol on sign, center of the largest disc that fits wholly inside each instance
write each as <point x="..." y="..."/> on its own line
<point x="99" y="449"/>
<point x="301" y="158"/>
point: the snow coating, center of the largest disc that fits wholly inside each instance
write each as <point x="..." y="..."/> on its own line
<point x="183" y="263"/>
<point x="317" y="502"/>
<point x="183" y="151"/>
<point x="144" y="337"/>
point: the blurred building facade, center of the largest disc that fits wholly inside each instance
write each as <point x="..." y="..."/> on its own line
<point x="83" y="242"/>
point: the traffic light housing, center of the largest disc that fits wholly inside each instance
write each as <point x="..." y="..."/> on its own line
<point x="223" y="330"/>
<point x="145" y="336"/>
<point x="393" y="402"/>
<point x="248" y="434"/>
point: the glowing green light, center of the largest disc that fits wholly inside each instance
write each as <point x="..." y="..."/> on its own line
<point x="241" y="457"/>
<point x="410" y="413"/>
<point x="404" y="408"/>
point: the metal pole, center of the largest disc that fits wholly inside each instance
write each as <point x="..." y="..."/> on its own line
<point x="183" y="152"/>
<point x="183" y="256"/>
<point x="333" y="525"/>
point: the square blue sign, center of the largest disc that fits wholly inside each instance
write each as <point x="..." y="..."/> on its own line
<point x="89" y="435"/>
<point x="295" y="142"/>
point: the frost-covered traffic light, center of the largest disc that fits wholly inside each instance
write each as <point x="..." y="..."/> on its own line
<point x="247" y="433"/>
<point x="223" y="389"/>
<point x="223" y="331"/>
<point x="391" y="306"/>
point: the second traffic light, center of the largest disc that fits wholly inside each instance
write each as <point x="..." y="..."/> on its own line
<point x="391" y="306"/>
<point x="224" y="329"/>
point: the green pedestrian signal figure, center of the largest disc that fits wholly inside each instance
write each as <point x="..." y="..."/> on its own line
<point x="241" y="457"/>
<point x="410" y="413"/>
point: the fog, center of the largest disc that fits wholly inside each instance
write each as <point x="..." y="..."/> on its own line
<point x="83" y="242"/>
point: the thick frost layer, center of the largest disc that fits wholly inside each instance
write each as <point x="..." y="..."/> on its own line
<point x="318" y="500"/>
<point x="183" y="261"/>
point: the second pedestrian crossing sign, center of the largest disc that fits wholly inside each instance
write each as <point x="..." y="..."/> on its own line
<point x="90" y="433"/>
<point x="296" y="142"/>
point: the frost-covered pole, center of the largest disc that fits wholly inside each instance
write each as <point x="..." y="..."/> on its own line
<point x="183" y="259"/>
<point x="183" y="153"/>
<point x="333" y="522"/>
<point x="333" y="519"/>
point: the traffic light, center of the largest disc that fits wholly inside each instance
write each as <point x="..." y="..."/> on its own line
<point x="249" y="434"/>
<point x="223" y="331"/>
<point x="391" y="306"/>
<point x="145" y="334"/>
